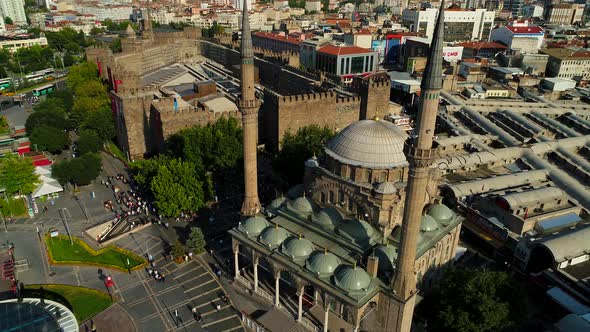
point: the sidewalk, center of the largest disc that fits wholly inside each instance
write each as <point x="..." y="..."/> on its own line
<point x="115" y="318"/>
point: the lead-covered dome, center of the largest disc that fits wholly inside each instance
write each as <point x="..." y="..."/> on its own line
<point x="370" y="144"/>
<point x="387" y="255"/>
<point x="277" y="203"/>
<point x="297" y="247"/>
<point x="428" y="224"/>
<point x="254" y="225"/>
<point x="441" y="213"/>
<point x="274" y="236"/>
<point x="302" y="205"/>
<point x="322" y="263"/>
<point x="352" y="278"/>
<point x="358" y="230"/>
<point x="328" y="218"/>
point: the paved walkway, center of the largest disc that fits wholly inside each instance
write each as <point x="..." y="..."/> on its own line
<point x="114" y="318"/>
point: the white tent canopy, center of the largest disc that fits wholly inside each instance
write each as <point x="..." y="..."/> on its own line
<point x="48" y="185"/>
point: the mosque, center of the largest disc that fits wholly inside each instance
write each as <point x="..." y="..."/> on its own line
<point x="350" y="247"/>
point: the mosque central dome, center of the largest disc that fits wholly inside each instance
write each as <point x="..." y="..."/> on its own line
<point x="370" y="144"/>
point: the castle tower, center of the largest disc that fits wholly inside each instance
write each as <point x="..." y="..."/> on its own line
<point x="420" y="152"/>
<point x="249" y="105"/>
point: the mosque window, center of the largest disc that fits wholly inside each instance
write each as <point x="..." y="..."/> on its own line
<point x="323" y="198"/>
<point x="332" y="198"/>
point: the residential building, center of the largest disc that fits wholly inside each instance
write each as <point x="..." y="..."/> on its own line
<point x="103" y="12"/>
<point x="14" y="44"/>
<point x="515" y="7"/>
<point x="15" y="9"/>
<point x="460" y="24"/>
<point x="520" y="36"/>
<point x="564" y="13"/>
<point x="533" y="11"/>
<point x="313" y="6"/>
<point x="309" y="47"/>
<point x="567" y="63"/>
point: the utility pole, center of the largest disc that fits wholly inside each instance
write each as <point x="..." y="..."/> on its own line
<point x="65" y="221"/>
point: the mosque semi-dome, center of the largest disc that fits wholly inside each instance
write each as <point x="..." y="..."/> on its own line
<point x="253" y="226"/>
<point x="273" y="236"/>
<point x="356" y="229"/>
<point x="322" y="263"/>
<point x="428" y="224"/>
<point x="370" y="144"/>
<point x="351" y="278"/>
<point x="297" y="247"/>
<point x="302" y="205"/>
<point x="277" y="202"/>
<point x="387" y="255"/>
<point x="327" y="218"/>
<point x="441" y="213"/>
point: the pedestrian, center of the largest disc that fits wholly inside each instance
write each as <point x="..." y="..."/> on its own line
<point x="190" y="255"/>
<point x="150" y="271"/>
<point x="163" y="277"/>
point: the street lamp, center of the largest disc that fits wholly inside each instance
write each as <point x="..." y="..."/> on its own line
<point x="62" y="214"/>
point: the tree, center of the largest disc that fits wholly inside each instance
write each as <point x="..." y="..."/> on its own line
<point x="115" y="46"/>
<point x="178" y="250"/>
<point x="81" y="73"/>
<point x="196" y="240"/>
<point x="51" y="139"/>
<point x="177" y="188"/>
<point x="100" y="121"/>
<point x="214" y="147"/>
<point x="8" y="20"/>
<point x="56" y="119"/>
<point x="473" y="301"/>
<point x="145" y="170"/>
<point x="17" y="175"/>
<point x="89" y="141"/>
<point x="297" y="148"/>
<point x="80" y="171"/>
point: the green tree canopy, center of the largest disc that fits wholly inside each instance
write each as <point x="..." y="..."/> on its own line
<point x="473" y="301"/>
<point x="17" y="175"/>
<point x="51" y="139"/>
<point x="80" y="171"/>
<point x="145" y="170"/>
<point x="55" y="118"/>
<point x="8" y="20"/>
<point x="82" y="73"/>
<point x="196" y="240"/>
<point x="177" y="188"/>
<point x="217" y="146"/>
<point x="89" y="141"/>
<point x="297" y="148"/>
<point x="100" y="121"/>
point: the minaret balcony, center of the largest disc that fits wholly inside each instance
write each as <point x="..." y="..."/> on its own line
<point x="248" y="103"/>
<point x="420" y="157"/>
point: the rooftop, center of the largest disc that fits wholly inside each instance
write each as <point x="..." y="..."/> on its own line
<point x="343" y="50"/>
<point x="478" y="45"/>
<point x="566" y="53"/>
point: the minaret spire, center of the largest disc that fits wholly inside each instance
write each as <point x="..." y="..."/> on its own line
<point x="249" y="106"/>
<point x="421" y="152"/>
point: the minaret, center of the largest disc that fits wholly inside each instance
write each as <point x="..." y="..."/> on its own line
<point x="249" y="106"/>
<point x="420" y="152"/>
<point x="146" y="32"/>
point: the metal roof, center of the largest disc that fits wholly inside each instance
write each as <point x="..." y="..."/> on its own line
<point x="567" y="246"/>
<point x="539" y="195"/>
<point x="497" y="183"/>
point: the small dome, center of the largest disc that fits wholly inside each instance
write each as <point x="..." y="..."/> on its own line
<point x="312" y="162"/>
<point x="387" y="255"/>
<point x="358" y="230"/>
<point x="254" y="225"/>
<point x="441" y="213"/>
<point x="274" y="236"/>
<point x="370" y="144"/>
<point x="351" y="278"/>
<point x="295" y="191"/>
<point x="397" y="233"/>
<point x="297" y="247"/>
<point x="328" y="218"/>
<point x="428" y="224"/>
<point x="302" y="205"/>
<point x="277" y="203"/>
<point x="130" y="32"/>
<point x="386" y="188"/>
<point x="322" y="263"/>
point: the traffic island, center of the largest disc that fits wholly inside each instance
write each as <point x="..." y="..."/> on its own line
<point x="60" y="250"/>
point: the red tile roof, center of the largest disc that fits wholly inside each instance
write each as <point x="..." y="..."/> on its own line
<point x="480" y="45"/>
<point x="525" y="30"/>
<point x="286" y="39"/>
<point x="342" y="50"/>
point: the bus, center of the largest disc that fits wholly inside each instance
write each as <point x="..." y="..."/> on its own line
<point x="5" y="83"/>
<point x="43" y="90"/>
<point x="37" y="76"/>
